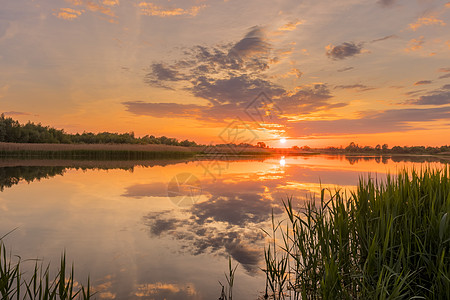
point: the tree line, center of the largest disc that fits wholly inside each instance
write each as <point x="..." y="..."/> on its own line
<point x="12" y="131"/>
<point x="381" y="149"/>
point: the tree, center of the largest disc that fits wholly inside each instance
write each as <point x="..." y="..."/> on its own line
<point x="261" y="145"/>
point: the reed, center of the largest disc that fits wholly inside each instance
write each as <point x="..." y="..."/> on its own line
<point x="386" y="240"/>
<point x="38" y="285"/>
<point x="86" y="154"/>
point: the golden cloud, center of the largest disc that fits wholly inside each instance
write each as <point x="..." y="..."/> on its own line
<point x="150" y="9"/>
<point x="424" y="21"/>
<point x="290" y="26"/>
<point x="110" y="2"/>
<point x="415" y="44"/>
<point x="151" y="289"/>
<point x="67" y="13"/>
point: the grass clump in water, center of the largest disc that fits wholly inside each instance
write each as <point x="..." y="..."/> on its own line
<point x="38" y="285"/>
<point x="387" y="240"/>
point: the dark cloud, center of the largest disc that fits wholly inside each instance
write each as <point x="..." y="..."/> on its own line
<point x="253" y="44"/>
<point x="344" y="50"/>
<point x="227" y="224"/>
<point x="386" y="2"/>
<point x="384" y="38"/>
<point x="376" y="122"/>
<point x="436" y="98"/>
<point x="16" y="113"/>
<point x="345" y="69"/>
<point x="412" y="93"/>
<point x="444" y="76"/>
<point x="422" y="82"/>
<point x="237" y="89"/>
<point x="360" y="87"/>
<point x="229" y="77"/>
<point x="307" y="100"/>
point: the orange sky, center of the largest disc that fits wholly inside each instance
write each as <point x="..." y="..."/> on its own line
<point x="319" y="73"/>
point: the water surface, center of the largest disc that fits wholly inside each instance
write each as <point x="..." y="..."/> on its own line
<point x="164" y="230"/>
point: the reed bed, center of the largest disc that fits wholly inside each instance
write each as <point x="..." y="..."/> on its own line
<point x="93" y="151"/>
<point x="38" y="285"/>
<point x="386" y="240"/>
<point x="92" y="147"/>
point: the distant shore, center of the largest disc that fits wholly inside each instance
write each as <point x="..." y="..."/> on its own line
<point x="158" y="151"/>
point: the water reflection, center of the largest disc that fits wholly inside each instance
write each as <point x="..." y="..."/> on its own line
<point x="119" y="224"/>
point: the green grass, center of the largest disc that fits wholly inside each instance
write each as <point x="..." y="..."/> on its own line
<point x="38" y="285"/>
<point x="386" y="240"/>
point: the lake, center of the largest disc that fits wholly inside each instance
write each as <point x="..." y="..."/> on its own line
<point x="165" y="229"/>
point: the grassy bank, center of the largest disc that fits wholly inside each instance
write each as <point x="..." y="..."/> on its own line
<point x="387" y="240"/>
<point x="93" y="152"/>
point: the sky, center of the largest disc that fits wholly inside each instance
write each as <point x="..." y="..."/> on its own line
<point x="317" y="73"/>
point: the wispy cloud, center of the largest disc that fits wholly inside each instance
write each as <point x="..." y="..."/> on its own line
<point x="358" y="87"/>
<point x="422" y="82"/>
<point x="386" y="121"/>
<point x="415" y="44"/>
<point x="436" y="97"/>
<point x="104" y="7"/>
<point x="344" y="50"/>
<point x="386" y="2"/>
<point x="392" y="36"/>
<point x="345" y="69"/>
<point x="151" y="9"/>
<point x="16" y="113"/>
<point x="67" y="13"/>
<point x="290" y="25"/>
<point x="426" y="21"/>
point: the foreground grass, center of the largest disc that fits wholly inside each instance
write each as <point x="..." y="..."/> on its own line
<point x="387" y="240"/>
<point x="38" y="285"/>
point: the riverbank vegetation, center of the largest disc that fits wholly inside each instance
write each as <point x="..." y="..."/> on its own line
<point x="11" y="131"/>
<point x="38" y="284"/>
<point x="386" y="240"/>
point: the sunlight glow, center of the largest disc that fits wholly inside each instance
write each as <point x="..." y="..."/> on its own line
<point x="282" y="140"/>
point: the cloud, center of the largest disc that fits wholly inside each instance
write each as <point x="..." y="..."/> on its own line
<point x="151" y="9"/>
<point x="384" y="38"/>
<point x="344" y="50"/>
<point x="110" y="2"/>
<point x="415" y="44"/>
<point x="426" y="21"/>
<point x="444" y="76"/>
<point x="87" y="5"/>
<point x="290" y="25"/>
<point x="386" y="2"/>
<point x="444" y="70"/>
<point x="229" y="77"/>
<point x="228" y="223"/>
<point x="360" y="87"/>
<point x="422" y="82"/>
<point x="162" y="290"/>
<point x="253" y="44"/>
<point x="345" y="69"/>
<point x="437" y="97"/>
<point x="67" y="13"/>
<point x="16" y="113"/>
<point x="397" y="120"/>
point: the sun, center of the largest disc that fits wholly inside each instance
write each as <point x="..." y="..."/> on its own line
<point x="282" y="140"/>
